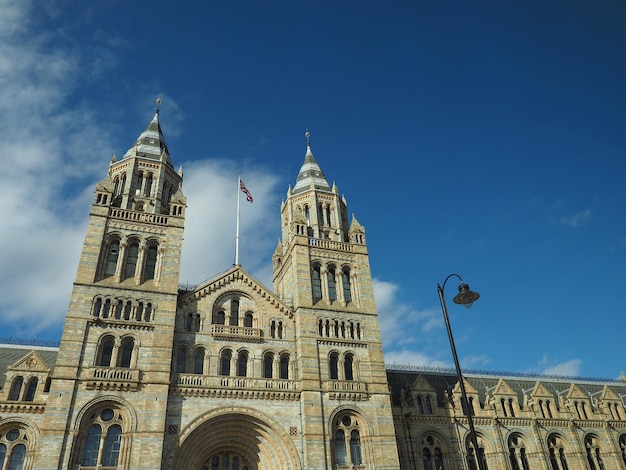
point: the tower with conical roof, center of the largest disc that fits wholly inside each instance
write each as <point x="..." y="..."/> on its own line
<point x="110" y="383"/>
<point x="321" y="269"/>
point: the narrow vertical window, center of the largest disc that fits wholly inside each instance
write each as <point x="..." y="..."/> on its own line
<point x="16" y="388"/>
<point x="127" y="352"/>
<point x="127" y="310"/>
<point x="247" y="322"/>
<point x="420" y="405"/>
<point x="242" y="364"/>
<point x="97" y="307"/>
<point x="106" y="352"/>
<point x="332" y="288"/>
<point x="284" y="366"/>
<point x="92" y="446"/>
<point x="429" y="406"/>
<point x="148" y="188"/>
<point x="111" y="261"/>
<point x="355" y="448"/>
<point x="268" y="365"/>
<point x="198" y="363"/>
<point x="234" y="312"/>
<point x="341" y="455"/>
<point x="132" y="255"/>
<point x="220" y="318"/>
<point x="18" y="455"/>
<point x="348" y="362"/>
<point x="316" y="284"/>
<point x="31" y="389"/>
<point x="139" y="312"/>
<point x="112" y="444"/>
<point x="225" y="362"/>
<point x="347" y="289"/>
<point x="333" y="365"/>
<point x="151" y="260"/>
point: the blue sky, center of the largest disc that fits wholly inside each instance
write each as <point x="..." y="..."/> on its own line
<point x="480" y="138"/>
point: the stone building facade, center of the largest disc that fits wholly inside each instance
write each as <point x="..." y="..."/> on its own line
<point x="230" y="375"/>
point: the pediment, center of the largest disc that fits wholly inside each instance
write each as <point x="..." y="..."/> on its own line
<point x="31" y="362"/>
<point x="238" y="279"/>
<point x="576" y="393"/>
<point x="503" y="388"/>
<point x="469" y="388"/>
<point x="540" y="391"/>
<point x="422" y="385"/>
<point x="609" y="394"/>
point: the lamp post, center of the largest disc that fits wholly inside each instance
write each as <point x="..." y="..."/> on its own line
<point x="465" y="297"/>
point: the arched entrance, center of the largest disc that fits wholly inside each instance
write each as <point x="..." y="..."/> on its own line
<point x="234" y="440"/>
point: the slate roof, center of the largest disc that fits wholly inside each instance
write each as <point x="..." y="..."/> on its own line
<point x="11" y="353"/>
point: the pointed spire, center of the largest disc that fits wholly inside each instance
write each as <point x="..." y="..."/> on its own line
<point x="151" y="143"/>
<point x="311" y="175"/>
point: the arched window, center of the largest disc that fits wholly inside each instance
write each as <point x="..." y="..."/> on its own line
<point x="13" y="449"/>
<point x="106" y="352"/>
<point x="92" y="446"/>
<point x="111" y="259"/>
<point x="594" y="453"/>
<point x="247" y="322"/>
<point x="225" y="362"/>
<point x="268" y="365"/>
<point x="429" y="406"/>
<point x="333" y="366"/>
<point x="471" y="454"/>
<point x="148" y="187"/>
<point x="198" y="361"/>
<point x="151" y="261"/>
<point x="348" y="362"/>
<point x="102" y="440"/>
<point x="126" y="356"/>
<point x="31" y="389"/>
<point x="341" y="455"/>
<point x="622" y="447"/>
<point x="242" y="364"/>
<point x="234" y="312"/>
<point x="432" y="457"/>
<point x="332" y="287"/>
<point x="347" y="448"/>
<point x="138" y="183"/>
<point x="273" y="329"/>
<point x="16" y="388"/>
<point x="97" y="307"/>
<point x="132" y="254"/>
<point x="112" y="444"/>
<point x="220" y="318"/>
<point x="181" y="360"/>
<point x="355" y="447"/>
<point x="347" y="289"/>
<point x="420" y="405"/>
<point x="316" y="286"/>
<point x="284" y="366"/>
<point x="119" y="305"/>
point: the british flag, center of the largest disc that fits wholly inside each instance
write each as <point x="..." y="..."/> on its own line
<point x="245" y="191"/>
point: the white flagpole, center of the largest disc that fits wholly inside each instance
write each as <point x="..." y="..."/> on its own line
<point x="237" y="236"/>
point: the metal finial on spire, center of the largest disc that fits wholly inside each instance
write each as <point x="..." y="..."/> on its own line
<point x="158" y="102"/>
<point x="307" y="134"/>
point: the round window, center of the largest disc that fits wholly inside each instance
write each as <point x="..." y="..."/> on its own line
<point x="346" y="421"/>
<point x="13" y="434"/>
<point x="106" y="414"/>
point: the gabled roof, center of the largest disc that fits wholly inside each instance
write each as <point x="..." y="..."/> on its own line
<point x="14" y="357"/>
<point x="151" y="143"/>
<point x="232" y="277"/>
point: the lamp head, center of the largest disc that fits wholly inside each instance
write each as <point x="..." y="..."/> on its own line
<point x="466" y="297"/>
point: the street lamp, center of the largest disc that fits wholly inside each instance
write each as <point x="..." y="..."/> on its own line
<point x="465" y="297"/>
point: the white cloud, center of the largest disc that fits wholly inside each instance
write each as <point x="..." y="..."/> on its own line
<point x="569" y="368"/>
<point x="576" y="220"/>
<point x="210" y="224"/>
<point x="414" y="358"/>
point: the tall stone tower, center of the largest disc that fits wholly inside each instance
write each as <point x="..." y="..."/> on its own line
<point x="110" y="384"/>
<point x="321" y="269"/>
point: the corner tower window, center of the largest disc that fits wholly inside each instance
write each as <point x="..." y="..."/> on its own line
<point x="131" y="259"/>
<point x="332" y="287"/>
<point x="151" y="261"/>
<point x="347" y="289"/>
<point x="316" y="280"/>
<point x="112" y="255"/>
